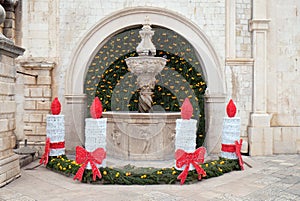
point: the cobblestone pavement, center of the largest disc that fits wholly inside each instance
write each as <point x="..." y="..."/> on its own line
<point x="270" y="178"/>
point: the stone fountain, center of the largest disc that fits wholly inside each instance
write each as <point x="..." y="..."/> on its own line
<point x="146" y="67"/>
<point x="144" y="135"/>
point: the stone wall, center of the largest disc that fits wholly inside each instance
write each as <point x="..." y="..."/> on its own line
<point x="258" y="57"/>
<point x="9" y="162"/>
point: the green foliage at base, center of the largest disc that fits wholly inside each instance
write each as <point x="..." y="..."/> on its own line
<point x="129" y="175"/>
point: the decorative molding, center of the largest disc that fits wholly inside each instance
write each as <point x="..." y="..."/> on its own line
<point x="239" y="62"/>
<point x="38" y="65"/>
<point x="259" y="24"/>
<point x="215" y="98"/>
<point x="75" y="98"/>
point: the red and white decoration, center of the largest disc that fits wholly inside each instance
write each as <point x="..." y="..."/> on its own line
<point x="187" y="158"/>
<point x="95" y="130"/>
<point x="55" y="131"/>
<point x="231" y="142"/>
<point x="89" y="158"/>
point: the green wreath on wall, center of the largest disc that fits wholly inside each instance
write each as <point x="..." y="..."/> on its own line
<point x="109" y="79"/>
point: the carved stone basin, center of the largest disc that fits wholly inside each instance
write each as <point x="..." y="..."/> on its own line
<point x="141" y="136"/>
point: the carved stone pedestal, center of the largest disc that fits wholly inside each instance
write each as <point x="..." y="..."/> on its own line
<point x="141" y="136"/>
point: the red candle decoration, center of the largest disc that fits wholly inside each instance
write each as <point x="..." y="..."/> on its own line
<point x="231" y="109"/>
<point x="186" y="109"/>
<point x="55" y="106"/>
<point x="96" y="108"/>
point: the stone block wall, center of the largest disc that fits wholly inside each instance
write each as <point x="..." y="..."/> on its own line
<point x="9" y="162"/>
<point x="264" y="85"/>
<point x="37" y="101"/>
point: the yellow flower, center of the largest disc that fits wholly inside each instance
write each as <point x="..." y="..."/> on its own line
<point x="174" y="172"/>
<point x="64" y="169"/>
<point x="128" y="174"/>
<point x="159" y="172"/>
<point x="70" y="167"/>
<point x="206" y="165"/>
<point x="222" y="162"/>
<point x="104" y="172"/>
<point x="143" y="176"/>
<point x="220" y="170"/>
<point x="58" y="164"/>
<point x="172" y="168"/>
<point x="60" y="167"/>
<point x="213" y="163"/>
<point x="62" y="159"/>
<point x="117" y="174"/>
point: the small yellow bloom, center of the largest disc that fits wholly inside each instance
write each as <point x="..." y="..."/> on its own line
<point x="60" y="167"/>
<point x="104" y="172"/>
<point x="220" y="170"/>
<point x="222" y="162"/>
<point x="70" y="167"/>
<point x="64" y="169"/>
<point x="174" y="172"/>
<point x="206" y="165"/>
<point x="62" y="159"/>
<point x="58" y="164"/>
<point x="117" y="174"/>
<point x="128" y="174"/>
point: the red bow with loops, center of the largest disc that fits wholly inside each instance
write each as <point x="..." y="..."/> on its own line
<point x="45" y="156"/>
<point x="84" y="157"/>
<point x="196" y="158"/>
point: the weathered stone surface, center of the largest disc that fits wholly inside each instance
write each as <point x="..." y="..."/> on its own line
<point x="154" y="133"/>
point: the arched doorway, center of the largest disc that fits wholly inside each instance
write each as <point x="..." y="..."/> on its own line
<point x="108" y="76"/>
<point x="76" y="102"/>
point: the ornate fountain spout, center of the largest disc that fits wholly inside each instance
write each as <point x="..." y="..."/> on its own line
<point x="146" y="67"/>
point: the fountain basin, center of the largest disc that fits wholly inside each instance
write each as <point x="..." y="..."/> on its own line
<point x="141" y="136"/>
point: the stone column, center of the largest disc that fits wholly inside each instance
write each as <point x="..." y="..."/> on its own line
<point x="37" y="101"/>
<point x="260" y="133"/>
<point x="9" y="162"/>
<point x="10" y="21"/>
<point x="215" y="104"/>
<point x="75" y="113"/>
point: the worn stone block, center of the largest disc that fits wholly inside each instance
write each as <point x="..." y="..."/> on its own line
<point x="7" y="107"/>
<point x="43" y="105"/>
<point x="47" y="92"/>
<point x="44" y="80"/>
<point x="36" y="92"/>
<point x="29" y="80"/>
<point x="7" y="89"/>
<point x="35" y="117"/>
<point x="3" y="125"/>
<point x="30" y="105"/>
<point x="285" y="140"/>
<point x="260" y="141"/>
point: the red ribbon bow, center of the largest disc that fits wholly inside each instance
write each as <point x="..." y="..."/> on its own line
<point x="84" y="157"/>
<point x="45" y="156"/>
<point x="238" y="147"/>
<point x="196" y="158"/>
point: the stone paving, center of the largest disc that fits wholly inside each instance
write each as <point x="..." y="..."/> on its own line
<point x="270" y="178"/>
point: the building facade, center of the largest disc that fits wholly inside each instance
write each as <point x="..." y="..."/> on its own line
<point x="248" y="51"/>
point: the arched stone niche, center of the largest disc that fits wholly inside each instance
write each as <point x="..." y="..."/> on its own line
<point x="75" y="76"/>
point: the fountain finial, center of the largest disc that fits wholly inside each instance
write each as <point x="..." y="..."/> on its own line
<point x="146" y="47"/>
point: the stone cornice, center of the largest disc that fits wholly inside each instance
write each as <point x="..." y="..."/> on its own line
<point x="239" y="61"/>
<point x="38" y="65"/>
<point x="259" y="24"/>
<point x="8" y="48"/>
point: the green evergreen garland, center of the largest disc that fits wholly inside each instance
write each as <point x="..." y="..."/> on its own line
<point x="130" y="175"/>
<point x="109" y="79"/>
